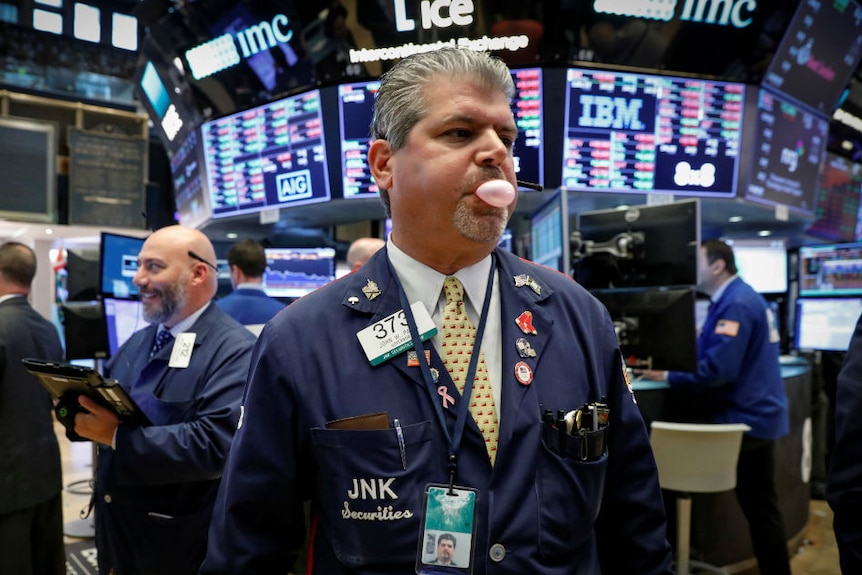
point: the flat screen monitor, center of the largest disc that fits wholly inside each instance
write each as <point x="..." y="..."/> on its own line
<point x="123" y="317"/>
<point x="638" y="133"/>
<point x="190" y="194"/>
<point x="830" y="270"/>
<point x="165" y="95"/>
<point x="82" y="275"/>
<point x="294" y="272"/>
<point x="119" y="264"/>
<point x="28" y="150"/>
<point x="549" y="233"/>
<point x="356" y="109"/>
<point x="836" y="210"/>
<point x="84" y="331"/>
<point x="762" y="264"/>
<point x="657" y="329"/>
<point x="787" y="149"/>
<point x="527" y="106"/>
<point x="640" y="246"/>
<point x="271" y="156"/>
<point x="826" y="324"/>
<point x="819" y="52"/>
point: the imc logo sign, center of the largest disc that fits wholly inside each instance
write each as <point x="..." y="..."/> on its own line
<point x="293" y="186"/>
<point x="228" y="50"/>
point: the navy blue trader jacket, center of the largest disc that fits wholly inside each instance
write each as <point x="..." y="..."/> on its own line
<point x="844" y="483"/>
<point x="737" y="361"/>
<point x="538" y="512"/>
<point x="250" y="306"/>
<point x="154" y="494"/>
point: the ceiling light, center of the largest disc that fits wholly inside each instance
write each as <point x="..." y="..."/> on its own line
<point x="734" y="219"/>
<point x="48" y="231"/>
<point x="764" y="233"/>
<point x="231" y="235"/>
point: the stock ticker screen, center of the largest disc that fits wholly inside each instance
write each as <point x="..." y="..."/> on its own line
<point x="819" y="52"/>
<point x="638" y="133"/>
<point x="265" y="157"/>
<point x="789" y="148"/>
<point x="294" y="272"/>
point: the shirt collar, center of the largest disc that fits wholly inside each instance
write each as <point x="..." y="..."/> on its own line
<point x="716" y="295"/>
<point x="9" y="296"/>
<point x="185" y="324"/>
<point x="249" y="285"/>
<point x="425" y="284"/>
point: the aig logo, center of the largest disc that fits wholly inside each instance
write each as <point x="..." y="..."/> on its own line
<point x="293" y="186"/>
<point x="435" y="13"/>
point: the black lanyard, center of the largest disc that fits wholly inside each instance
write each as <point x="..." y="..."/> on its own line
<point x="454" y="441"/>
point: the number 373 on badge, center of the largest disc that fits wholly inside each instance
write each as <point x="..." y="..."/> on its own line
<point x="390" y="336"/>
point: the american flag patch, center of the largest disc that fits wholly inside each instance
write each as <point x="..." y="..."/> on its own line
<point x="727" y="327"/>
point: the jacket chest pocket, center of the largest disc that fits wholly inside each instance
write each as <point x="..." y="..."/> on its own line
<point x="370" y="487"/>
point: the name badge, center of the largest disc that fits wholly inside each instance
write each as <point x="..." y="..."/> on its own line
<point x="181" y="353"/>
<point x="390" y="336"/>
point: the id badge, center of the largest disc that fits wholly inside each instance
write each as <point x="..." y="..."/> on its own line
<point x="448" y="528"/>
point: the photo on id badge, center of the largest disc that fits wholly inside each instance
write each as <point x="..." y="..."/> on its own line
<point x="446" y="541"/>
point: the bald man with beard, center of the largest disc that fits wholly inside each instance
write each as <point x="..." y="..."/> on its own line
<point x="155" y="485"/>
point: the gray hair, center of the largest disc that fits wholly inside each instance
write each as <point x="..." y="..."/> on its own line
<point x="400" y="101"/>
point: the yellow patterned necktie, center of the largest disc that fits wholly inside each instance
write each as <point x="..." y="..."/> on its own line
<point x="459" y="337"/>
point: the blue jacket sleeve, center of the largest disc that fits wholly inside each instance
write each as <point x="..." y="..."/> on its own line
<point x="721" y="348"/>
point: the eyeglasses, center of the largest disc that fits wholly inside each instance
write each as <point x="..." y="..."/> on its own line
<point x="194" y="256"/>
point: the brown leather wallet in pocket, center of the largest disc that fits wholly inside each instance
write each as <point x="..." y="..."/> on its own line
<point x="370" y="421"/>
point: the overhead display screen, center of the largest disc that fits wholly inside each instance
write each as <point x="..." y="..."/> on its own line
<point x="639" y="133"/>
<point x="267" y="157"/>
<point x="789" y="147"/>
<point x="190" y="195"/>
<point x="527" y="108"/>
<point x="819" y="52"/>
<point x="356" y="108"/>
<point x="837" y="205"/>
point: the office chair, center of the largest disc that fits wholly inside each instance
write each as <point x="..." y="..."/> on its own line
<point x="695" y="458"/>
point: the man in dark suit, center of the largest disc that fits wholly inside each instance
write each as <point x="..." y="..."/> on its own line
<point x="248" y="303"/>
<point x="339" y="411"/>
<point x="31" y="508"/>
<point x="844" y="481"/>
<point x="155" y="485"/>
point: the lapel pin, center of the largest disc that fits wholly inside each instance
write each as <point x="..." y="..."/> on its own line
<point x="371" y="290"/>
<point x="525" y="350"/>
<point x="447" y="399"/>
<point x="353" y="300"/>
<point x="413" y="357"/>
<point x="525" y="322"/>
<point x="523" y="373"/>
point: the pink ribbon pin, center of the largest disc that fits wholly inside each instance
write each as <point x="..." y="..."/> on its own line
<point x="442" y="392"/>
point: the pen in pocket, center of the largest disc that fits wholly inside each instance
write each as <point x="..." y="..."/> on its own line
<point x="400" y="434"/>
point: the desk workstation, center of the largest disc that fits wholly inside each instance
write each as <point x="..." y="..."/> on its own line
<point x="719" y="530"/>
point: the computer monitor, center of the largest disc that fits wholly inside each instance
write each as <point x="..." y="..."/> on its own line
<point x="123" y="317"/>
<point x="294" y="272"/>
<point x="640" y="246"/>
<point x="119" y="264"/>
<point x="656" y="327"/>
<point x="762" y="264"/>
<point x="549" y="233"/>
<point x="82" y="274"/>
<point x="84" y="330"/>
<point x="836" y="211"/>
<point x="830" y="270"/>
<point x="826" y="324"/>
